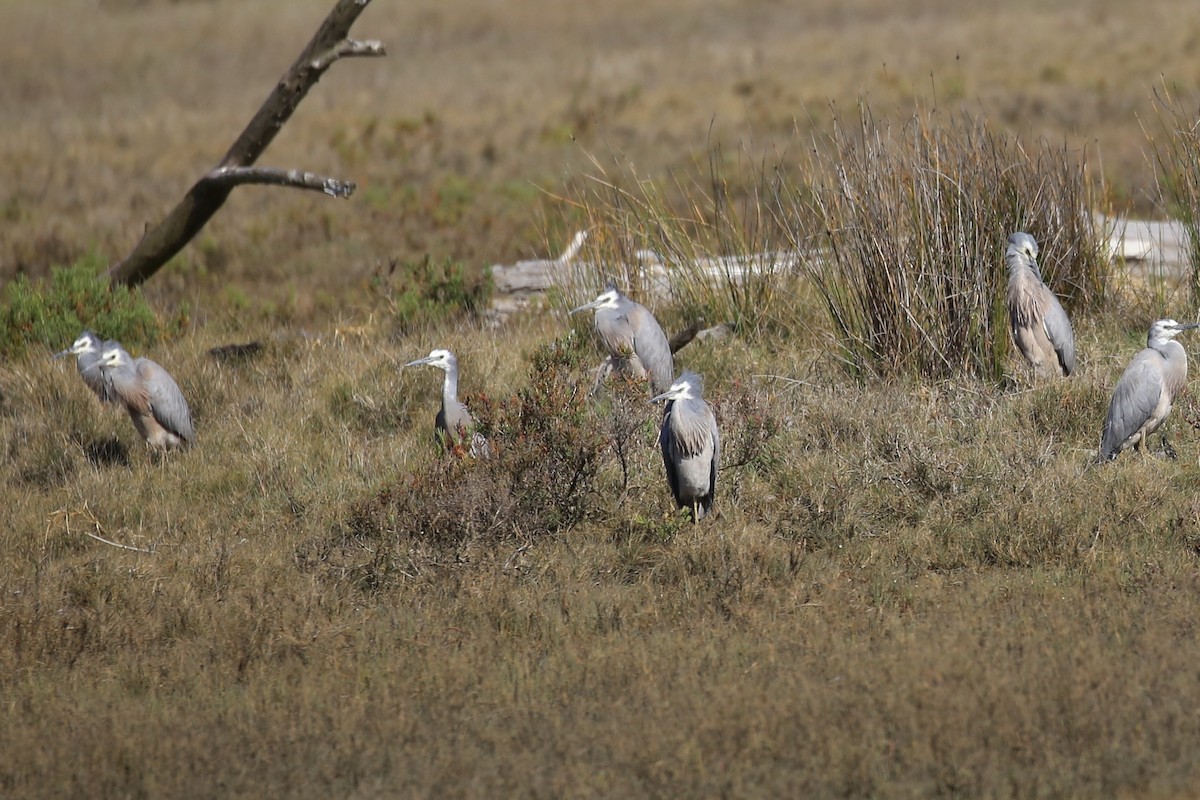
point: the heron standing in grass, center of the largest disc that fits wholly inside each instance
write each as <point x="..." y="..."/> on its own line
<point x="453" y="425"/>
<point x="691" y="445"/>
<point x="1142" y="400"/>
<point x="87" y="349"/>
<point x="1040" y="327"/>
<point x="151" y="396"/>
<point x="635" y="341"/>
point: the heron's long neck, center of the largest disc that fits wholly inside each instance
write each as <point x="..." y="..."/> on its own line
<point x="1025" y="296"/>
<point x="1176" y="371"/>
<point x="450" y="389"/>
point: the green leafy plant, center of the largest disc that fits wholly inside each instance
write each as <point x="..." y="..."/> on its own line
<point x="428" y="292"/>
<point x="53" y="312"/>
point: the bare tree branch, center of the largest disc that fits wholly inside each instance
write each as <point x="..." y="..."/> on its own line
<point x="685" y="336"/>
<point x="345" y="49"/>
<point x="162" y="241"/>
<point x="267" y="176"/>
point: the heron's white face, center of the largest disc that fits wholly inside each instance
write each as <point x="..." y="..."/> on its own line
<point x="87" y="343"/>
<point x="442" y="359"/>
<point x="84" y="344"/>
<point x="111" y="358"/>
<point x="1164" y="330"/>
<point x="680" y="390"/>
<point x="1024" y="246"/>
<point x="608" y="299"/>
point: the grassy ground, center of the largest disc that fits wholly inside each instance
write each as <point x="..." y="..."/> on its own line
<point x="907" y="589"/>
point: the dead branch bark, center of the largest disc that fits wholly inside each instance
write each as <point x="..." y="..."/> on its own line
<point x="684" y="337"/>
<point x="267" y="176"/>
<point x="161" y="242"/>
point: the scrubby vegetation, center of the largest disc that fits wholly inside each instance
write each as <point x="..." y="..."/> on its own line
<point x="916" y="581"/>
<point x="421" y="294"/>
<point x="52" y="312"/>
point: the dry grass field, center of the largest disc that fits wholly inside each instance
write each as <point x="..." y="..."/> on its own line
<point x="908" y="588"/>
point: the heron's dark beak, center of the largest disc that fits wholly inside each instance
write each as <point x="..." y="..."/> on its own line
<point x="660" y="398"/>
<point x="419" y="362"/>
<point x="1188" y="326"/>
<point x="583" y="307"/>
<point x="59" y="355"/>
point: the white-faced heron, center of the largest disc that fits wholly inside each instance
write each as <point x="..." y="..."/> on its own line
<point x="1040" y="327"/>
<point x="453" y="425"/>
<point x="1142" y="400"/>
<point x="635" y="341"/>
<point x="691" y="445"/>
<point x="151" y="396"/>
<point x="87" y="349"/>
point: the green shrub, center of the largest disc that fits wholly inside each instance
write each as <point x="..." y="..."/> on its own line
<point x="424" y="292"/>
<point x="53" y="313"/>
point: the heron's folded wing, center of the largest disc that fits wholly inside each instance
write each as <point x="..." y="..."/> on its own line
<point x="670" y="454"/>
<point x="1059" y="332"/>
<point x="716" y="458"/>
<point x="167" y="404"/>
<point x="651" y="345"/>
<point x="1134" y="399"/>
<point x="94" y="376"/>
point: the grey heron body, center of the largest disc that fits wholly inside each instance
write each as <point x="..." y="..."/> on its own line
<point x="691" y="445"/>
<point x="635" y="341"/>
<point x="1040" y="327"/>
<point x="87" y="350"/>
<point x="453" y="424"/>
<point x="150" y="395"/>
<point x="1144" y="394"/>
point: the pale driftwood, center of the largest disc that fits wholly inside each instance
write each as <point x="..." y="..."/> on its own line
<point x="526" y="277"/>
<point x="116" y="544"/>
<point x="162" y="241"/>
<point x="1148" y="244"/>
<point x="540" y="275"/>
<point x="1155" y="245"/>
<point x="537" y="275"/>
<point x="88" y="515"/>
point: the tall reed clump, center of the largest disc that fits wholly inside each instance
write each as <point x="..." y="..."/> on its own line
<point x="709" y="241"/>
<point x="914" y="220"/>
<point x="1176" y="156"/>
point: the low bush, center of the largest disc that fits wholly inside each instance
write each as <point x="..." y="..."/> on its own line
<point x="545" y="448"/>
<point x="53" y="312"/>
<point x="427" y="292"/>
